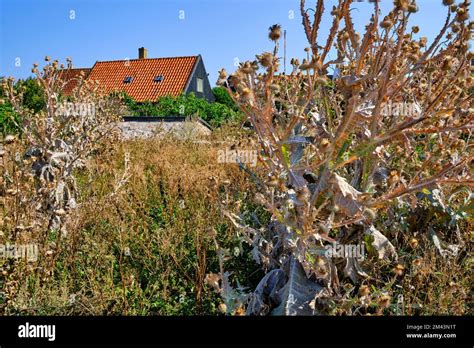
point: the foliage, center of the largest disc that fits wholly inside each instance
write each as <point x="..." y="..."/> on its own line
<point x="184" y="105"/>
<point x="33" y="94"/>
<point x="39" y="189"/>
<point x="222" y="97"/>
<point x="32" y="98"/>
<point x="147" y="249"/>
<point x="126" y="229"/>
<point x="9" y="119"/>
<point x="338" y="158"/>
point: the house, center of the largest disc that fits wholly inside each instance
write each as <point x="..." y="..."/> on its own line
<point x="147" y="79"/>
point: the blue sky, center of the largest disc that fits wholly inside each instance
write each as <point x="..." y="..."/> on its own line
<point x="222" y="31"/>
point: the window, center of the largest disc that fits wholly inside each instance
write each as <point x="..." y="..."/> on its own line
<point x="127" y="79"/>
<point x="158" y="78"/>
<point x="200" y="85"/>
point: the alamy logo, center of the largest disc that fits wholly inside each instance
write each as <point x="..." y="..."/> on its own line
<point x="345" y="250"/>
<point x="237" y="156"/>
<point x="17" y="251"/>
<point x="396" y="109"/>
<point x="76" y="109"/>
<point x="37" y="331"/>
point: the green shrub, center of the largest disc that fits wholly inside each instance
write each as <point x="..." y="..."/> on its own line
<point x="33" y="95"/>
<point x="9" y="119"/>
<point x="222" y="97"/>
<point x="32" y="98"/>
<point x="185" y="105"/>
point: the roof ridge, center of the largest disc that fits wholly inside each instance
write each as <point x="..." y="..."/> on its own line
<point x="143" y="59"/>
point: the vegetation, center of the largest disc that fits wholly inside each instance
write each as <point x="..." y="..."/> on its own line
<point x="186" y="105"/>
<point x="146" y="250"/>
<point x="33" y="95"/>
<point x="223" y="110"/>
<point x="9" y="119"/>
<point x="32" y="98"/>
<point x="343" y="168"/>
<point x="222" y="96"/>
<point x="379" y="158"/>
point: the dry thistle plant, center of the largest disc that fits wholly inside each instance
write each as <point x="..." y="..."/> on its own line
<point x="339" y="152"/>
<point x="39" y="186"/>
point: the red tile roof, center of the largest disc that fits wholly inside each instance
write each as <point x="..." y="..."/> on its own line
<point x="71" y="77"/>
<point x="176" y="72"/>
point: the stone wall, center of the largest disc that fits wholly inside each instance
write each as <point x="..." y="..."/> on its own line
<point x="184" y="129"/>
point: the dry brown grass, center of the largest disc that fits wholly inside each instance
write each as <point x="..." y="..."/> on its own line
<point x="147" y="250"/>
<point x="144" y="250"/>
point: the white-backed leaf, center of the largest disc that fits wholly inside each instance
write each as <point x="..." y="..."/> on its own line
<point x="385" y="249"/>
<point x="344" y="187"/>
<point x="346" y="195"/>
<point x="295" y="297"/>
<point x="264" y="295"/>
<point x="296" y="179"/>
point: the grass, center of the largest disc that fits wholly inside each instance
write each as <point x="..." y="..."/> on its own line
<point x="147" y="250"/>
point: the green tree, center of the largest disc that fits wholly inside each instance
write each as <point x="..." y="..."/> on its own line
<point x="9" y="119"/>
<point x="222" y="97"/>
<point x="33" y="96"/>
<point x="184" y="105"/>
